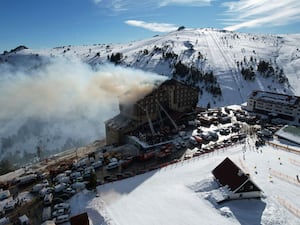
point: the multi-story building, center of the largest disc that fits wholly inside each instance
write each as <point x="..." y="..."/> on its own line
<point x="286" y="107"/>
<point x="170" y="96"/>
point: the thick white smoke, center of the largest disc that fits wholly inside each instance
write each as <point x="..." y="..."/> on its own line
<point x="64" y="103"/>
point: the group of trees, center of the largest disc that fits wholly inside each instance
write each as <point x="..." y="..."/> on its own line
<point x="165" y="51"/>
<point x="267" y="70"/>
<point x="248" y="73"/>
<point x="250" y="68"/>
<point x="169" y="55"/>
<point x="115" y="58"/>
<point x="194" y="76"/>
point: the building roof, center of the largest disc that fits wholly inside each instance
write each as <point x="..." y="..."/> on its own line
<point x="228" y="173"/>
<point x="171" y="82"/>
<point x="145" y="145"/>
<point x="290" y="133"/>
<point x="80" y="219"/>
<point x="118" y="122"/>
<point x="273" y="97"/>
<point x="176" y="82"/>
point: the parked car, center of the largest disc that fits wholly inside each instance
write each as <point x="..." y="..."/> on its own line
<point x="58" y="212"/>
<point x="242" y="136"/>
<point x="59" y="176"/>
<point x="88" y="171"/>
<point x="205" y="136"/>
<point x="61" y="219"/>
<point x="214" y="136"/>
<point x="235" y="128"/>
<point x="225" y="119"/>
<point x="97" y="164"/>
<point x="183" y="144"/>
<point x="64" y="179"/>
<point x="2" y="211"/>
<point x="59" y="188"/>
<point x="10" y="205"/>
<point x="45" y="182"/>
<point x="61" y="206"/>
<point x="224" y="131"/>
<point x="4" y="194"/>
<point x="112" y="165"/>
<point x="75" y="175"/>
<point x="45" y="191"/>
<point x="192" y="141"/>
<point x="69" y="191"/>
<point x="4" y="221"/>
<point x="48" y="199"/>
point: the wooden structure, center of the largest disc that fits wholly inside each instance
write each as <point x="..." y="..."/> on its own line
<point x="239" y="183"/>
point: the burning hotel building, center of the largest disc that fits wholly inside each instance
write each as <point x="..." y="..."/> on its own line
<point x="168" y="99"/>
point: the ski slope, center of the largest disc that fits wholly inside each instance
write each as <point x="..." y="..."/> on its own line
<point x="183" y="193"/>
<point x="222" y="50"/>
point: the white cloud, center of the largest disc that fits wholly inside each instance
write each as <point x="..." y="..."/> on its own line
<point x="256" y="13"/>
<point x="114" y="5"/>
<point x="185" y="2"/>
<point x="124" y="5"/>
<point x="157" y="27"/>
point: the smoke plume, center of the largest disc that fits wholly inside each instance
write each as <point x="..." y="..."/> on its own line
<point x="64" y="103"/>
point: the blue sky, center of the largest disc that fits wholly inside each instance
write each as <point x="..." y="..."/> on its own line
<point x="51" y="23"/>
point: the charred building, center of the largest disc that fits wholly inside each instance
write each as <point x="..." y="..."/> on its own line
<point x="168" y="98"/>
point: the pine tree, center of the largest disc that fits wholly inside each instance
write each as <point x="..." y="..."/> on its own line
<point x="208" y="105"/>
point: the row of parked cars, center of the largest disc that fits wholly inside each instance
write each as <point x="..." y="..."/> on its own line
<point x="61" y="212"/>
<point x="90" y="163"/>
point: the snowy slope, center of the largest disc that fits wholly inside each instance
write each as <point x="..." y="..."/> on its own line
<point x="224" y="54"/>
<point x="183" y="193"/>
<point x="221" y="51"/>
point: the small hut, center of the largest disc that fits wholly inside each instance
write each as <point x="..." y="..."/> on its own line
<point x="239" y="183"/>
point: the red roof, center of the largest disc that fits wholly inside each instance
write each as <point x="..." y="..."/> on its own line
<point x="228" y="173"/>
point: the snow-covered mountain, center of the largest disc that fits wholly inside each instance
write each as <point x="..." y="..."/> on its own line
<point x="226" y="66"/>
<point x="206" y="50"/>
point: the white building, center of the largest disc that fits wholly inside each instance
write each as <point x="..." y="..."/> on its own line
<point x="286" y="107"/>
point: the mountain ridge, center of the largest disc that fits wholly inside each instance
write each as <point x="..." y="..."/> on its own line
<point x="209" y="50"/>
